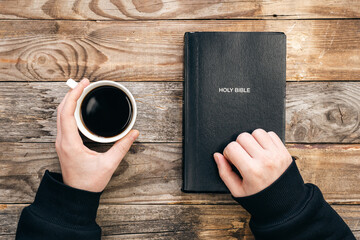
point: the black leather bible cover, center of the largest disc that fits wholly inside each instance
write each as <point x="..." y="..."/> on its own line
<point x="234" y="82"/>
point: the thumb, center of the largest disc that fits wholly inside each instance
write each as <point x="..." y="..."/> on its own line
<point x="118" y="151"/>
<point x="229" y="177"/>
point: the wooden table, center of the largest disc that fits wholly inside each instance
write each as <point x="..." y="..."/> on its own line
<point x="140" y="44"/>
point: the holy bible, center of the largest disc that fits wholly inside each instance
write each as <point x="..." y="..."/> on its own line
<point x="234" y="82"/>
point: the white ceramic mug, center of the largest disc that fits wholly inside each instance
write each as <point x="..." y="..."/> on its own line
<point x="72" y="84"/>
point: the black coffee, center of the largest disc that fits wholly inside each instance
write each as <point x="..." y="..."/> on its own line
<point x="106" y="111"/>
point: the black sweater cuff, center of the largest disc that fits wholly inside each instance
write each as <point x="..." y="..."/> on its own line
<point x="64" y="205"/>
<point x="278" y="202"/>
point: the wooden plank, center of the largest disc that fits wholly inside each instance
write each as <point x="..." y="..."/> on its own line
<point x="160" y="236"/>
<point x="158" y="9"/>
<point x="151" y="173"/>
<point x="316" y="112"/>
<point x="165" y="236"/>
<point x="153" y="50"/>
<point x="172" y="221"/>
<point x="156" y="220"/>
<point x="206" y="234"/>
<point x="30" y="114"/>
<point x="322" y="112"/>
<point x="333" y="168"/>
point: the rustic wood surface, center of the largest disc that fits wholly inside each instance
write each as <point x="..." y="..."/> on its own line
<point x="153" y="50"/>
<point x="140" y="43"/>
<point x="325" y="112"/>
<point x="33" y="110"/>
<point x="178" y="9"/>
<point x="172" y="221"/>
<point x="151" y="173"/>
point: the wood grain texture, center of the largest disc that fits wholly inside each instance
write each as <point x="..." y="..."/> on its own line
<point x="152" y="173"/>
<point x="30" y="114"/>
<point x="178" y="9"/>
<point x="153" y="50"/>
<point x="323" y="112"/>
<point x="172" y="221"/>
<point x="327" y="112"/>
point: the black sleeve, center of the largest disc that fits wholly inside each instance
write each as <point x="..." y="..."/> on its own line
<point x="60" y="212"/>
<point x="290" y="209"/>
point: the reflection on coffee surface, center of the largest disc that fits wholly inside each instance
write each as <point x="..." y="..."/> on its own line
<point x="106" y="111"/>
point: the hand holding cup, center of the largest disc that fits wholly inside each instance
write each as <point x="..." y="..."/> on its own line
<point x="81" y="167"/>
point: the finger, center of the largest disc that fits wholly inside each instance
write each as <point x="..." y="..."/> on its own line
<point x="249" y="144"/>
<point x="263" y="138"/>
<point x="71" y="101"/>
<point x="281" y="148"/>
<point x="118" y="151"/>
<point x="229" y="177"/>
<point x="58" y="117"/>
<point x="68" y="122"/>
<point x="277" y="141"/>
<point x="238" y="157"/>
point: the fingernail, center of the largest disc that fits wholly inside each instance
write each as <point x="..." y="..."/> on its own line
<point x="134" y="134"/>
<point x="216" y="157"/>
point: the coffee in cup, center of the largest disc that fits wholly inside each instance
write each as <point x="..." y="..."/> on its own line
<point x="105" y="112"/>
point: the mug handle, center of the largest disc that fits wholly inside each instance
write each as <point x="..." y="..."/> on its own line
<point x="71" y="83"/>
